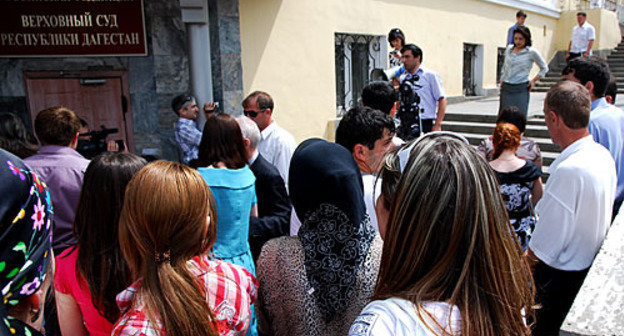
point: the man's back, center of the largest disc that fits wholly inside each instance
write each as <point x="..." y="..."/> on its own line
<point x="62" y="168"/>
<point x="606" y="125"/>
<point x="273" y="206"/>
<point x="575" y="211"/>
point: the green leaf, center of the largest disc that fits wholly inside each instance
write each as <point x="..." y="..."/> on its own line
<point x="2" y="266"/>
<point x="21" y="246"/>
<point x="12" y="273"/>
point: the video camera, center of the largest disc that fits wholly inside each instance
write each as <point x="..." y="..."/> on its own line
<point x="97" y="142"/>
<point x="409" y="109"/>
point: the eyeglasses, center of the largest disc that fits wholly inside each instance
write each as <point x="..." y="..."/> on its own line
<point x="252" y="114"/>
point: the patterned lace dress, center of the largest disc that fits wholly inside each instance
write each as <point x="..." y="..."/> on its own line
<point x="286" y="305"/>
<point x="515" y="187"/>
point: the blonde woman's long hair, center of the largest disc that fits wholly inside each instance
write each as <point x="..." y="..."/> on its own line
<point x="163" y="225"/>
<point x="448" y="240"/>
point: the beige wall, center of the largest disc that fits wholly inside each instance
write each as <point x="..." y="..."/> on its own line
<point x="288" y="46"/>
<point x="606" y="23"/>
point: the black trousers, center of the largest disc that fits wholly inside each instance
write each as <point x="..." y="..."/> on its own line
<point x="573" y="56"/>
<point x="556" y="291"/>
<point x="427" y="125"/>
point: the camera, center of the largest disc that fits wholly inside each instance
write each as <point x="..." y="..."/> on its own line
<point x="97" y="142"/>
<point x="409" y="109"/>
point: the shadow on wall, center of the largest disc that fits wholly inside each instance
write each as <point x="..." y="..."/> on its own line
<point x="264" y="14"/>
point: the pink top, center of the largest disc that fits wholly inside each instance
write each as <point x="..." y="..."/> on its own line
<point x="66" y="282"/>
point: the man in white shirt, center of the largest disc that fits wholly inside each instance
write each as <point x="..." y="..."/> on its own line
<point x="574" y="214"/>
<point x="276" y="144"/>
<point x="367" y="134"/>
<point x="430" y="91"/>
<point x="583" y="36"/>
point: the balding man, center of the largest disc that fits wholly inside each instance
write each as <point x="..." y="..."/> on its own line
<point x="273" y="203"/>
<point x="575" y="211"/>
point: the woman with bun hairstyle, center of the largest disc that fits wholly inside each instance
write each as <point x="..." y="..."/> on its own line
<point x="449" y="265"/>
<point x="165" y="231"/>
<point x="520" y="181"/>
<point x="529" y="149"/>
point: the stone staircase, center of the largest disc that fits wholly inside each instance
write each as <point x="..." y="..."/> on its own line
<point x="477" y="127"/>
<point x="615" y="60"/>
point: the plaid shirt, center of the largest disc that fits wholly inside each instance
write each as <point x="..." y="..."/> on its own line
<point x="230" y="291"/>
<point x="188" y="137"/>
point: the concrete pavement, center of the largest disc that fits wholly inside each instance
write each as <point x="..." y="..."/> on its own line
<point x="489" y="105"/>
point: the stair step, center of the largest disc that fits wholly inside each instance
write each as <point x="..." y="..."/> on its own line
<point x="532" y="131"/>
<point x="547" y="157"/>
<point x="545" y="144"/>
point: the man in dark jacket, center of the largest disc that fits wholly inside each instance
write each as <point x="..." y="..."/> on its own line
<point x="273" y="203"/>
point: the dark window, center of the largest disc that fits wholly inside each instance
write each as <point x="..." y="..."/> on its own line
<point x="355" y="56"/>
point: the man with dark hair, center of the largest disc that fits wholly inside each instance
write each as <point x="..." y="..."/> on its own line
<point x="379" y="95"/>
<point x="606" y="121"/>
<point x="520" y="18"/>
<point x="431" y="91"/>
<point x="187" y="134"/>
<point x="367" y="134"/>
<point x="583" y="36"/>
<point x="276" y="144"/>
<point x="574" y="213"/>
<point x="273" y="202"/>
<point x="61" y="167"/>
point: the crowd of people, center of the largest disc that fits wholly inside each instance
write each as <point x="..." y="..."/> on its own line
<point x="370" y="235"/>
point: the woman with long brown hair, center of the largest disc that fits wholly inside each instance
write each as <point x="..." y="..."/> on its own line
<point x="91" y="273"/>
<point x="449" y="265"/>
<point x="166" y="230"/>
<point x="520" y="181"/>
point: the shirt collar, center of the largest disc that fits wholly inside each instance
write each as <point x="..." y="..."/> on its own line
<point x="186" y="121"/>
<point x="417" y="72"/>
<point x="571" y="149"/>
<point x="62" y="150"/>
<point x="268" y="130"/>
<point x="254" y="157"/>
<point x="600" y="102"/>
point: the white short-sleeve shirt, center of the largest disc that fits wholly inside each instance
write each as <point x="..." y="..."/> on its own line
<point x="581" y="35"/>
<point x="396" y="316"/>
<point x="574" y="213"/>
<point x="430" y="91"/>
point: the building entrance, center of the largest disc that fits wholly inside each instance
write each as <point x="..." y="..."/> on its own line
<point x="100" y="98"/>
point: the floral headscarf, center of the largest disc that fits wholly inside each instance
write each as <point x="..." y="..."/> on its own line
<point x="25" y="238"/>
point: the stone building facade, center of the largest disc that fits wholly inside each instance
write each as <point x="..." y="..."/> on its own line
<point x="151" y="80"/>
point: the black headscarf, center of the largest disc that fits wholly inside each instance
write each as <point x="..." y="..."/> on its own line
<point x="25" y="238"/>
<point x="336" y="233"/>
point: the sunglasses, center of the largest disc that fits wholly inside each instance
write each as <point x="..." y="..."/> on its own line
<point x="252" y="114"/>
